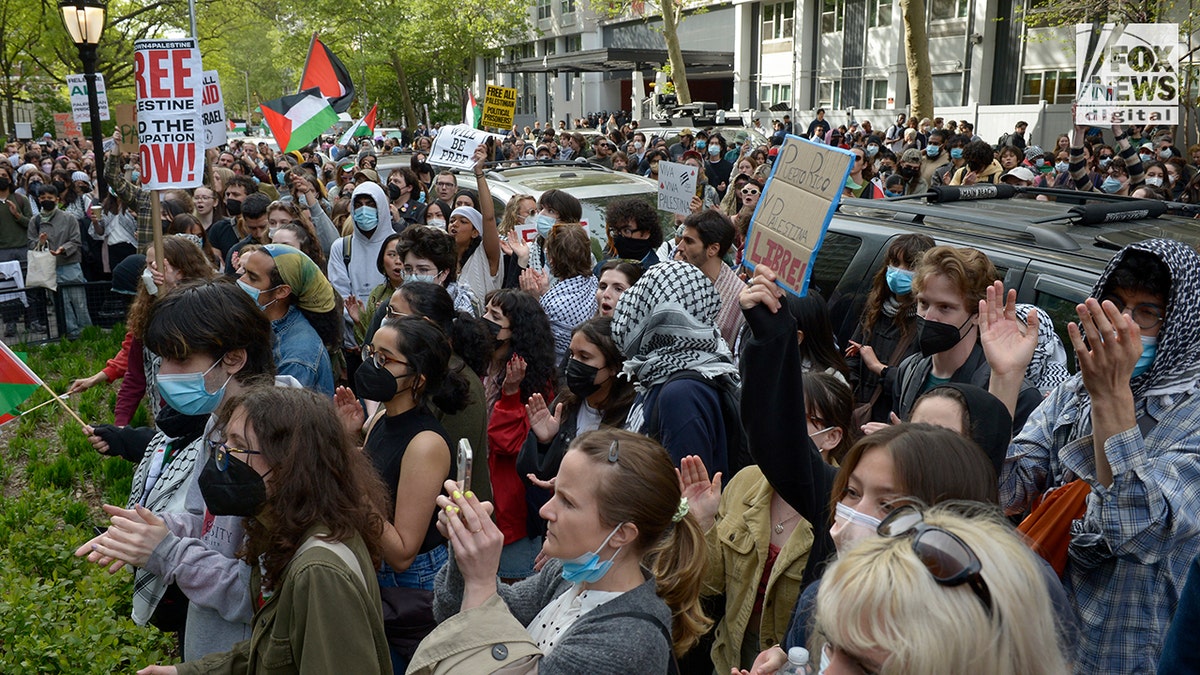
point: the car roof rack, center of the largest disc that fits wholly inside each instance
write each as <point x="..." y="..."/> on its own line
<point x="497" y="169"/>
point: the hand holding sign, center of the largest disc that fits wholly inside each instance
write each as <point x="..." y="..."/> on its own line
<point x="676" y="187"/>
<point x="794" y="211"/>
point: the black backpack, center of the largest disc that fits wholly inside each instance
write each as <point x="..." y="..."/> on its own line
<point x="737" y="445"/>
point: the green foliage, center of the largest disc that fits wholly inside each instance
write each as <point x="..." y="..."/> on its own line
<point x="59" y="613"/>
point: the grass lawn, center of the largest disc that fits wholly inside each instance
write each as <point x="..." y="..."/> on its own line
<point x="58" y="613"/>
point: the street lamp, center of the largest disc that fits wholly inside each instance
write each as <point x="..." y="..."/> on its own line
<point x="84" y="20"/>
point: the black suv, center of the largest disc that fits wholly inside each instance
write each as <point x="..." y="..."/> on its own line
<point x="1052" y="252"/>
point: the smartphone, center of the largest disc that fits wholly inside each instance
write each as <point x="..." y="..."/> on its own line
<point x="464" y="464"/>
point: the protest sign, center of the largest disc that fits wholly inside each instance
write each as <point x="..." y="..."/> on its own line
<point x="1128" y="74"/>
<point x="676" y="187"/>
<point x="525" y="231"/>
<point x="24" y="131"/>
<point x="65" y="126"/>
<point x="212" y="110"/>
<point x="168" y="78"/>
<point x="77" y="87"/>
<point x="794" y="211"/>
<point x="455" y="145"/>
<point x="127" y="125"/>
<point x="499" y="105"/>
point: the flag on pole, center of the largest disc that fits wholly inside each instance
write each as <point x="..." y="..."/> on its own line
<point x="473" y="112"/>
<point x="238" y="126"/>
<point x="17" y="382"/>
<point x="326" y="72"/>
<point x="363" y="127"/>
<point x="297" y="119"/>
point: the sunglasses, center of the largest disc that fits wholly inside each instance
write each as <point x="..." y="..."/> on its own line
<point x="221" y="453"/>
<point x="750" y="191"/>
<point x="949" y="560"/>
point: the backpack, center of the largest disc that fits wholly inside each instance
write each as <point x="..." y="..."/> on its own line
<point x="729" y="392"/>
<point x="1006" y="139"/>
<point x="346" y="252"/>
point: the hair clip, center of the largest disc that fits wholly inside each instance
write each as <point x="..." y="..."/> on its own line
<point x="613" y="451"/>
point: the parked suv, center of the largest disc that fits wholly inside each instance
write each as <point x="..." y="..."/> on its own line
<point x="1051" y="252"/>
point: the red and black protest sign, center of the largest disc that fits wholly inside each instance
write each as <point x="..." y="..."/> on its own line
<point x="170" y="129"/>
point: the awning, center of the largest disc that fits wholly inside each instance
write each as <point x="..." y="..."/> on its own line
<point x="626" y="60"/>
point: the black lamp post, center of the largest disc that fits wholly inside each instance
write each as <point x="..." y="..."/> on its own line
<point x="84" y="20"/>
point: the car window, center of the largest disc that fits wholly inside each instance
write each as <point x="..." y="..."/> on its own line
<point x="837" y="251"/>
<point x="1062" y="311"/>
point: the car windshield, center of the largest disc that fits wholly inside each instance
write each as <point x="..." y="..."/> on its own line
<point x="594" y="209"/>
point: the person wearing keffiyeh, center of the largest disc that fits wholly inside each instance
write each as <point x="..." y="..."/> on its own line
<point x="1129" y="425"/>
<point x="665" y="324"/>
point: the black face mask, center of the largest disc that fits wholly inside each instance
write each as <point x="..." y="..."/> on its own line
<point x="393" y="192"/>
<point x="236" y="491"/>
<point x="581" y="378"/>
<point x="47" y="206"/>
<point x="233" y="206"/>
<point x="908" y="171"/>
<point x="5" y="183"/>
<point x="61" y="186"/>
<point x="628" y="247"/>
<point x="375" y="383"/>
<point x="936" y="337"/>
<point x="493" y="328"/>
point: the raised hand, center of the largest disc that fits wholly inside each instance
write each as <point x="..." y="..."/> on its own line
<point x="703" y="495"/>
<point x="349" y="411"/>
<point x="514" y="375"/>
<point x="1008" y="342"/>
<point x="544" y="425"/>
<point x="762" y="290"/>
<point x="1113" y="347"/>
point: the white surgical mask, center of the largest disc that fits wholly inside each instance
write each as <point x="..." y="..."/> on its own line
<point x="850" y="526"/>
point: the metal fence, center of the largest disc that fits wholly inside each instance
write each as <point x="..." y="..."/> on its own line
<point x="37" y="316"/>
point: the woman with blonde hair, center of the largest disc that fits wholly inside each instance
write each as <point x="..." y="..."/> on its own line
<point x="620" y="592"/>
<point x="938" y="592"/>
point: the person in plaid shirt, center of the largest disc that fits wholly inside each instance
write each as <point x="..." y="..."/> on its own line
<point x="1129" y="425"/>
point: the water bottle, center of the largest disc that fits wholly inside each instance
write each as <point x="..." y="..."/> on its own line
<point x="797" y="662"/>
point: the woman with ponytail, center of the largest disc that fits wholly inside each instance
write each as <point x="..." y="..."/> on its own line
<point x="620" y="593"/>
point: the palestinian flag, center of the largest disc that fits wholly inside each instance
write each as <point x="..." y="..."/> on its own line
<point x="297" y="119"/>
<point x="326" y="72"/>
<point x="473" y="112"/>
<point x="363" y="127"/>
<point x="237" y="126"/>
<point x="17" y="382"/>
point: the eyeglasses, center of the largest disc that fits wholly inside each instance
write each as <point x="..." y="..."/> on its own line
<point x="442" y="183"/>
<point x="1144" y="314"/>
<point x="381" y="360"/>
<point x="750" y="191"/>
<point x="949" y="560"/>
<point x="221" y="452"/>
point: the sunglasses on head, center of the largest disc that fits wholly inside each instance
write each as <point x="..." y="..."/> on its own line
<point x="949" y="560"/>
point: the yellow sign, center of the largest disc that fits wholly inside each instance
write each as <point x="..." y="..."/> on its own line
<point x="499" y="105"/>
<point x="797" y="204"/>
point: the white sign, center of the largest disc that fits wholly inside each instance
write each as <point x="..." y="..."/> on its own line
<point x="167" y="74"/>
<point x="1128" y="74"/>
<point x="455" y="145"/>
<point x="24" y="130"/>
<point x="212" y="111"/>
<point x="77" y="86"/>
<point x="676" y="187"/>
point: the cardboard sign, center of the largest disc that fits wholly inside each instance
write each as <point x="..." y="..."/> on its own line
<point x="525" y="231"/>
<point x="24" y="131"/>
<point x="676" y="187"/>
<point x="499" y="106"/>
<point x="65" y="126"/>
<point x="127" y="125"/>
<point x="455" y="145"/>
<point x="212" y="110"/>
<point x="170" y="129"/>
<point x="794" y="211"/>
<point x="1128" y="74"/>
<point x="77" y="87"/>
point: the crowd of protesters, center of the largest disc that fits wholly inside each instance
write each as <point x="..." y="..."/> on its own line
<point x="317" y="343"/>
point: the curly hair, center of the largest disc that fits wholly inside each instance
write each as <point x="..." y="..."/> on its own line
<point x="907" y="250"/>
<point x="432" y="244"/>
<point x="967" y="269"/>
<point x="318" y="477"/>
<point x="531" y="339"/>
<point x="469" y="338"/>
<point x="644" y="216"/>
<point x="509" y="221"/>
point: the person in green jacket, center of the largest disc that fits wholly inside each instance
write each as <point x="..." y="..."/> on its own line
<point x="313" y="507"/>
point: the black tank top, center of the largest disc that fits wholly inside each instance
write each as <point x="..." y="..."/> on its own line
<point x="386" y="445"/>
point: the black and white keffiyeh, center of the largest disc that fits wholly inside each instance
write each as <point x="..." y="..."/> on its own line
<point x="666" y="322"/>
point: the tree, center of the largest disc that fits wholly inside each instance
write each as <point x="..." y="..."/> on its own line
<point x="672" y="12"/>
<point x="916" y="58"/>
